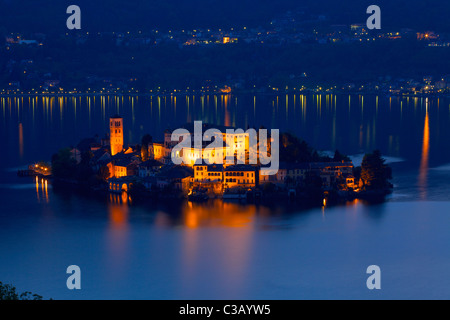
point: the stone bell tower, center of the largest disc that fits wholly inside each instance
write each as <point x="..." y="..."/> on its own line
<point x="116" y="134"/>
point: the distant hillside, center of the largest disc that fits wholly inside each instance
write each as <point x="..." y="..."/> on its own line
<point x="49" y="15"/>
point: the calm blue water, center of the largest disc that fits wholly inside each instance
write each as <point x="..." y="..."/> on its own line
<point x="224" y="250"/>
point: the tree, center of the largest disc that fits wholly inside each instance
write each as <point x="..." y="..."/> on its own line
<point x="293" y="149"/>
<point x="375" y="174"/>
<point x="339" y="157"/>
<point x="86" y="157"/>
<point x="8" y="292"/>
<point x="103" y="173"/>
<point x="313" y="188"/>
<point x="63" y="164"/>
<point x="84" y="170"/>
<point x="146" y="140"/>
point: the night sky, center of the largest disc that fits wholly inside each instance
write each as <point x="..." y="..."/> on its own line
<point x="49" y="15"/>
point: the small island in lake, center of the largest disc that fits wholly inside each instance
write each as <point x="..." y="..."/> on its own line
<point x="146" y="171"/>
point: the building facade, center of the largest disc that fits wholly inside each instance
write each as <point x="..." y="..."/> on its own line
<point x="116" y="134"/>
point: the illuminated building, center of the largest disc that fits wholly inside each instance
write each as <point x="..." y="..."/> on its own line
<point x="235" y="144"/>
<point x="429" y="35"/>
<point x="228" y="39"/>
<point x="208" y="173"/>
<point x="240" y="176"/>
<point x="119" y="185"/>
<point x="156" y="151"/>
<point x="330" y="172"/>
<point x="287" y="173"/>
<point x="116" y="134"/>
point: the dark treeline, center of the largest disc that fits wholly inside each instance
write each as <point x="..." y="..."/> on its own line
<point x="170" y="66"/>
<point x="9" y="292"/>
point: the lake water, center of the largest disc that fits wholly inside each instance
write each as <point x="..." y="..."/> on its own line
<point x="226" y="250"/>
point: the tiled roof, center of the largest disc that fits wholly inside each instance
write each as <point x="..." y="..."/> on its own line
<point x="85" y="144"/>
<point x="151" y="163"/>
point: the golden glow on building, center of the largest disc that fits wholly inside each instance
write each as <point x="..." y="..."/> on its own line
<point x="236" y="177"/>
<point x="120" y="171"/>
<point x="116" y="135"/>
<point x="236" y="144"/>
<point x="158" y="151"/>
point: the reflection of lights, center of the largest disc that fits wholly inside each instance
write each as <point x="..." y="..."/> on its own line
<point x="218" y="214"/>
<point x="353" y="203"/>
<point x="423" y="171"/>
<point x="46" y="192"/>
<point x="118" y="209"/>
<point x="124" y="198"/>
<point x="42" y="187"/>
<point x="37" y="189"/>
<point x="234" y="245"/>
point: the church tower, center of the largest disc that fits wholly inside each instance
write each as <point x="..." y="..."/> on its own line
<point x="116" y="134"/>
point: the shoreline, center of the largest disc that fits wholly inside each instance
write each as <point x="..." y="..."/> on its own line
<point x="304" y="200"/>
<point x="187" y="94"/>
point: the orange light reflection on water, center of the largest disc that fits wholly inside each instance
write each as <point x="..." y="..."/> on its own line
<point x="118" y="210"/>
<point x="117" y="237"/>
<point x="423" y="171"/>
<point x="218" y="214"/>
<point x="233" y="240"/>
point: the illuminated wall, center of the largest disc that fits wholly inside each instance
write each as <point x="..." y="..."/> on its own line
<point x="239" y="178"/>
<point x="120" y="171"/>
<point x="202" y="174"/>
<point x="116" y="135"/>
<point x="158" y="151"/>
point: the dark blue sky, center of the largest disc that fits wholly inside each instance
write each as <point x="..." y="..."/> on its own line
<point x="49" y="15"/>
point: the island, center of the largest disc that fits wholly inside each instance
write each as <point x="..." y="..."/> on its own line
<point x="146" y="172"/>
